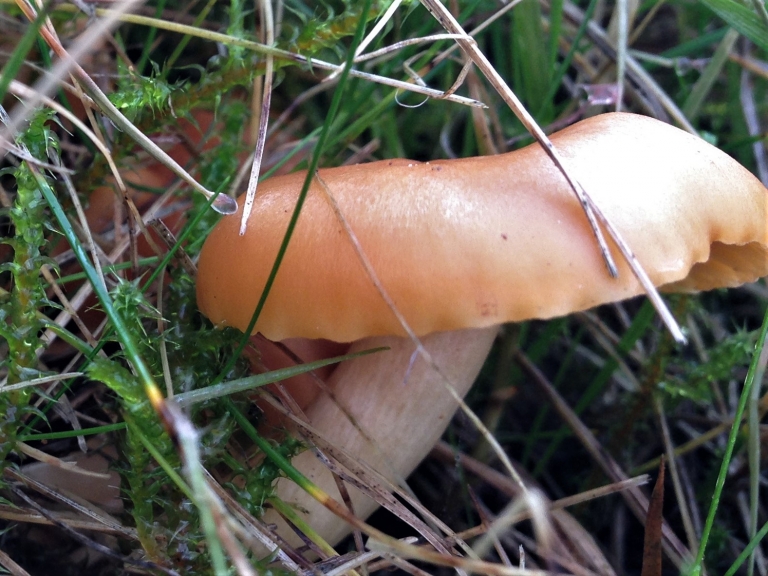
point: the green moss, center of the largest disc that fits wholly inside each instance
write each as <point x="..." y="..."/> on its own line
<point x="20" y="319"/>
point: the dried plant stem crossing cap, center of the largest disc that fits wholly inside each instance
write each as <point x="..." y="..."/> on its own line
<point x="464" y="245"/>
<point x="481" y="241"/>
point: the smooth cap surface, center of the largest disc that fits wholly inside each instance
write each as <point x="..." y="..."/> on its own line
<point x="481" y="241"/>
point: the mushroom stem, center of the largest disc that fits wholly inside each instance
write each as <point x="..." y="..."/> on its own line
<point x="401" y="419"/>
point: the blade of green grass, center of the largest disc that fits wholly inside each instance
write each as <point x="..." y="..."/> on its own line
<point x="130" y="348"/>
<point x="186" y="38"/>
<point x="742" y="19"/>
<point x="640" y="324"/>
<point x="748" y="550"/>
<point x="149" y="39"/>
<point x="16" y="61"/>
<point x="531" y="56"/>
<point x="73" y="433"/>
<point x="756" y="367"/>
<point x="709" y="76"/>
<point x="557" y="79"/>
<point x="313" y="165"/>
<point x="259" y="380"/>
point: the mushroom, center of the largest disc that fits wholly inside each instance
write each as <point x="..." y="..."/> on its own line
<point x="461" y="246"/>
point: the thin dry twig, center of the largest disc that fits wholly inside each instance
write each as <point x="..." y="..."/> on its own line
<point x="268" y="23"/>
<point x="591" y="210"/>
<point x="68" y="62"/>
<point x="87" y="541"/>
<point x="250" y="529"/>
<point x="469" y="46"/>
<point x="635" y="70"/>
<point x="13" y="568"/>
<point x="27" y="93"/>
<point x="37" y="381"/>
<point x="370" y="481"/>
<point x="420" y="349"/>
<point x="636" y="500"/>
<point x="671" y="461"/>
<point x="752" y="119"/>
<point x="378" y="27"/>
<point x="282" y="54"/>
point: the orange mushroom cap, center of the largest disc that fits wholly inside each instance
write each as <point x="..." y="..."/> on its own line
<point x="481" y="241"/>
<point x="468" y="244"/>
